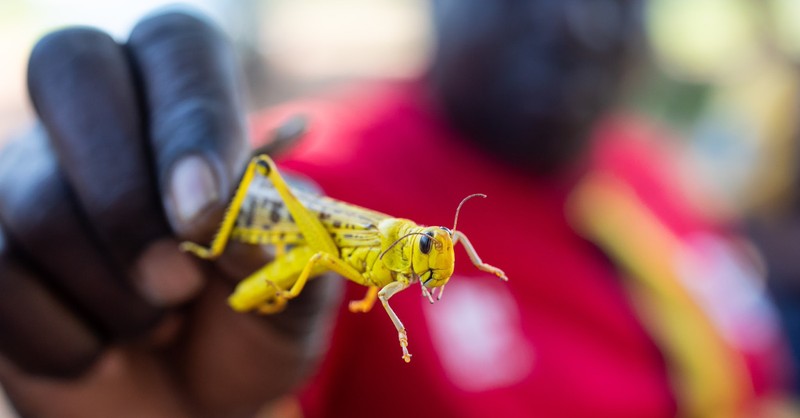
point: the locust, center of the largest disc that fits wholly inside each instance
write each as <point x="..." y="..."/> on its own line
<point x="313" y="234"/>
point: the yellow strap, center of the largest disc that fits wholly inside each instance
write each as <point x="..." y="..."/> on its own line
<point x="709" y="378"/>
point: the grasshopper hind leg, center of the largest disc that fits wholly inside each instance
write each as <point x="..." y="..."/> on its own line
<point x="262" y="290"/>
<point x="229" y="220"/>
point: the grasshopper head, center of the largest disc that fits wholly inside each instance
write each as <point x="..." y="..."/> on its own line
<point x="430" y="253"/>
<point x="433" y="258"/>
<point x="434" y="262"/>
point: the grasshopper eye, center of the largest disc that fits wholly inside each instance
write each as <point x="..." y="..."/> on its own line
<point x="425" y="244"/>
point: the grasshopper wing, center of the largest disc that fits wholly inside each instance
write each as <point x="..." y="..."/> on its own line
<point x="264" y="218"/>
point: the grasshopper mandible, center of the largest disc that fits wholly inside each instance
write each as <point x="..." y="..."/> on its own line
<point x="313" y="234"/>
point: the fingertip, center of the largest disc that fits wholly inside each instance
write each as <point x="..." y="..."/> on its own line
<point x="198" y="136"/>
<point x="193" y="187"/>
<point x="57" y="50"/>
<point x="55" y="42"/>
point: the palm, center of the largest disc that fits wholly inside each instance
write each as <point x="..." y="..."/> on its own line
<point x="206" y="361"/>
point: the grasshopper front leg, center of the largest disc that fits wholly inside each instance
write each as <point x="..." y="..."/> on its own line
<point x="338" y="266"/>
<point x="387" y="292"/>
<point x="458" y="236"/>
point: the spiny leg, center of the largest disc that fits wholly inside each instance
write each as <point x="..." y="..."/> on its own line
<point x="231" y="213"/>
<point x="318" y="242"/>
<point x="256" y="292"/>
<point x="317" y="262"/>
<point x="260" y="290"/>
<point x="387" y="292"/>
<point x="366" y="304"/>
<point x="473" y="255"/>
<point x="272" y="306"/>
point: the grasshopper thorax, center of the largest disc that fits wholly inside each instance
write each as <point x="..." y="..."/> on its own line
<point x="425" y="253"/>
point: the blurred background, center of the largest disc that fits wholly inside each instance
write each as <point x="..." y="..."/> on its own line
<point x="720" y="74"/>
<point x="288" y="47"/>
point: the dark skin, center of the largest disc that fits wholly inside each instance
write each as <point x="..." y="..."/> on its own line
<point x="140" y="146"/>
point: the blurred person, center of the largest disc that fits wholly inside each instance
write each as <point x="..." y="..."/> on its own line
<point x="629" y="300"/>
<point x="624" y="301"/>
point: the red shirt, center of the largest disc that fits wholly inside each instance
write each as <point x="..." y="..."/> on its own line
<point x="559" y="339"/>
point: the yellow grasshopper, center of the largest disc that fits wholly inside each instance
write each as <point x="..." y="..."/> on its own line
<point x="313" y="234"/>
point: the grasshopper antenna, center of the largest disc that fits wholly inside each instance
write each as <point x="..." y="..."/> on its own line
<point x="458" y="210"/>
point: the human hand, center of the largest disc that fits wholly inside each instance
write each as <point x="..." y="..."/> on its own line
<point x="140" y="146"/>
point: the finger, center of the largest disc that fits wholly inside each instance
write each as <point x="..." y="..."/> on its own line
<point x="39" y="211"/>
<point x="37" y="332"/>
<point x="197" y="130"/>
<point x="121" y="384"/>
<point x="82" y="88"/>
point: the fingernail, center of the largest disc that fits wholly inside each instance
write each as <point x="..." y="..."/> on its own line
<point x="165" y="276"/>
<point x="193" y="187"/>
